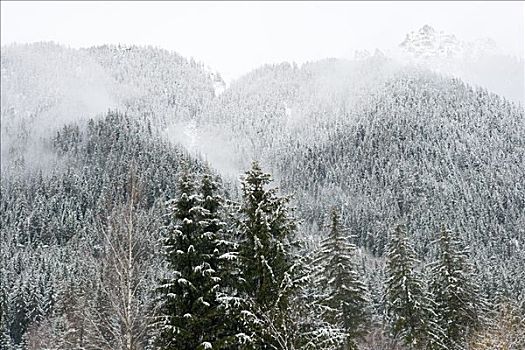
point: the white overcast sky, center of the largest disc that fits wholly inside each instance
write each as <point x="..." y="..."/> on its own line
<point x="235" y="37"/>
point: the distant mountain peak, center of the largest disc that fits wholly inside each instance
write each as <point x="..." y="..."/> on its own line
<point x="428" y="43"/>
<point x="427" y="29"/>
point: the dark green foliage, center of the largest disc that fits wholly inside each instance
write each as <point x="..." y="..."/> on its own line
<point x="266" y="229"/>
<point x="343" y="293"/>
<point x="408" y="309"/>
<point x="191" y="315"/>
<point x="459" y="302"/>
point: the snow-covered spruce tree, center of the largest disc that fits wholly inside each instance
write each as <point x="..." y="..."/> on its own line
<point x="459" y="303"/>
<point x="191" y="315"/>
<point x="215" y="240"/>
<point x="344" y="295"/>
<point x="265" y="228"/>
<point x="408" y="309"/>
<point x="311" y="332"/>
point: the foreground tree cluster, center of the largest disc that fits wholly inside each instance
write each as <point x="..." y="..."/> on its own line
<point x="237" y="277"/>
<point x="239" y="280"/>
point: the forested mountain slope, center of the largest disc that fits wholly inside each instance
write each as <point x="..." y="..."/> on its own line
<point x="424" y="155"/>
<point x="387" y="143"/>
<point x="278" y="106"/>
<point x="46" y="85"/>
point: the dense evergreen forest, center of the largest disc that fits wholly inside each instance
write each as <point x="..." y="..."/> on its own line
<point x="393" y="217"/>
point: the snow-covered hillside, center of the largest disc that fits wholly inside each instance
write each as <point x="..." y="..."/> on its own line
<point x="45" y="86"/>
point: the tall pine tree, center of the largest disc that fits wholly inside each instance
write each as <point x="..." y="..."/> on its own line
<point x="213" y="229"/>
<point x="458" y="299"/>
<point x="192" y="316"/>
<point x="265" y="228"/>
<point x="344" y="299"/>
<point x="408" y="309"/>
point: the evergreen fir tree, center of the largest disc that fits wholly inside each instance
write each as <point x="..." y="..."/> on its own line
<point x="344" y="301"/>
<point x="265" y="228"/>
<point x="222" y="328"/>
<point x="191" y="311"/>
<point x="459" y="303"/>
<point x="408" y="309"/>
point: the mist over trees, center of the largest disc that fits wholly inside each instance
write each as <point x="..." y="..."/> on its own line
<point x="393" y="217"/>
